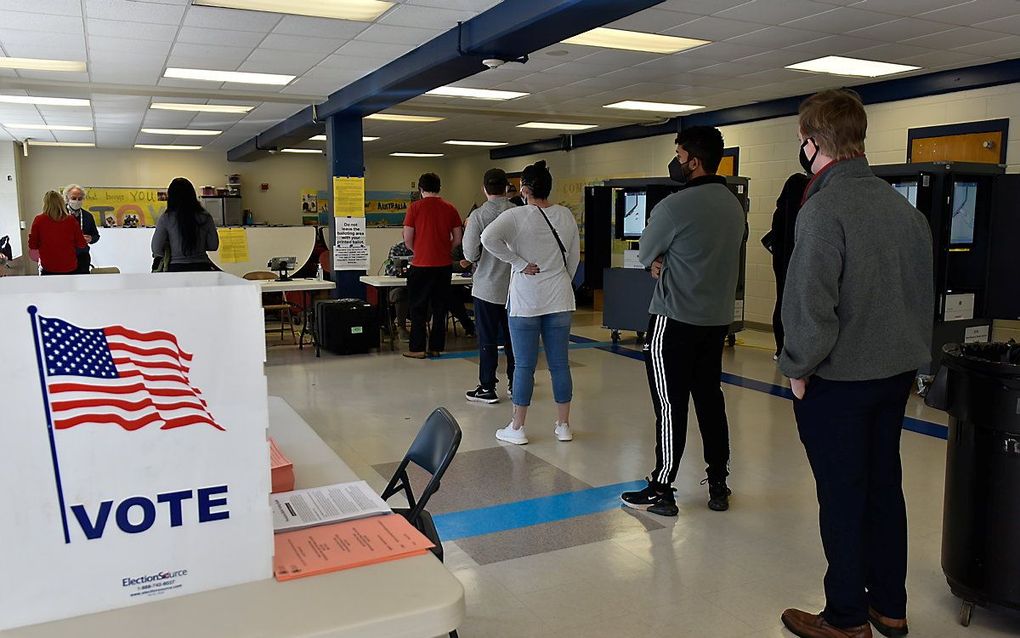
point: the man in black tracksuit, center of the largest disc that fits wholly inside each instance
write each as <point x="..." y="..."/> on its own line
<point x="692" y="246"/>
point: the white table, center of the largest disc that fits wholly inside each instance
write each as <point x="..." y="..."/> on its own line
<point x="306" y="286"/>
<point x="383" y="282"/>
<point x="411" y="597"/>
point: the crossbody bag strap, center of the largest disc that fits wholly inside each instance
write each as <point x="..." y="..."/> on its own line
<point x="563" y="249"/>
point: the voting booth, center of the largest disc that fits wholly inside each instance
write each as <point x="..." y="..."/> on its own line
<point x="135" y="463"/>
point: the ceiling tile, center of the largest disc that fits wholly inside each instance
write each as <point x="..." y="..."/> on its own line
<point x="1004" y="47"/>
<point x="973" y="12"/>
<point x="714" y="29"/>
<point x="405" y="15"/>
<point x="230" y="19"/>
<point x="64" y="8"/>
<point x="127" y="48"/>
<point x="899" y="30"/>
<point x="134" y="30"/>
<point x="25" y="21"/>
<point x="1009" y="25"/>
<point x="396" y="35"/>
<point x="653" y="20"/>
<point x="377" y="50"/>
<point x="268" y="61"/>
<point x="208" y="56"/>
<point x="833" y="45"/>
<point x="134" y="11"/>
<point x="199" y="35"/>
<point x="701" y="7"/>
<point x="961" y="36"/>
<point x="905" y="7"/>
<point x="301" y="44"/>
<point x="464" y="5"/>
<point x="776" y="37"/>
<point x="773" y="12"/>
<point x="840" y="20"/>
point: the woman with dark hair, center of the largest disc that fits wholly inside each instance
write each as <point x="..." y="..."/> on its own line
<point x="186" y="230"/>
<point x="540" y="242"/>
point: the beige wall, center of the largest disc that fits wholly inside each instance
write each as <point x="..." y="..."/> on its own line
<point x="768" y="155"/>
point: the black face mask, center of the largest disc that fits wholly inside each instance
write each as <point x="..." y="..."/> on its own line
<point x="805" y="162"/>
<point x="678" y="172"/>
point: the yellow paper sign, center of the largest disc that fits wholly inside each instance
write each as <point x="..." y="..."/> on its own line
<point x="349" y="196"/>
<point x="233" y="245"/>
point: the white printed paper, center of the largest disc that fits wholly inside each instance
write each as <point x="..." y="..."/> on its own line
<point x="350" y="251"/>
<point x="976" y="334"/>
<point x="630" y="260"/>
<point x="959" y="307"/>
<point x="322" y="505"/>
<point x="738" y="310"/>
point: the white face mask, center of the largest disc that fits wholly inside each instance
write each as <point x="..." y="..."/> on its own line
<point x="74" y="204"/>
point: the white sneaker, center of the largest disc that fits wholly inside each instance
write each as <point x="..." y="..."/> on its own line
<point x="563" y="432"/>
<point x="510" y="435"/>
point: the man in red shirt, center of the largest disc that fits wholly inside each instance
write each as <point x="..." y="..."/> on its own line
<point x="432" y="228"/>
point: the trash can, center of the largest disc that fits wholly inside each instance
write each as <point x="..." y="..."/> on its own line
<point x="979" y="386"/>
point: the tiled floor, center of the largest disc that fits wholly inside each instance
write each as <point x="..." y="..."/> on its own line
<point x="615" y="572"/>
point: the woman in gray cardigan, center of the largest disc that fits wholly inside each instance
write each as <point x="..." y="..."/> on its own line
<point x="186" y="229"/>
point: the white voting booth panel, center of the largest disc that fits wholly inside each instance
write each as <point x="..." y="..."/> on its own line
<point x="129" y="249"/>
<point x="135" y="460"/>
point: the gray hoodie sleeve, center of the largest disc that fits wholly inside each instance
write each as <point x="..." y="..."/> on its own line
<point x="160" y="238"/>
<point x="496" y="238"/>
<point x="212" y="236"/>
<point x="472" y="242"/>
<point x="657" y="236"/>
<point x="810" y="300"/>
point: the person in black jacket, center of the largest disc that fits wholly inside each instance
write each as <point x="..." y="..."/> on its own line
<point x="74" y="196"/>
<point x="779" y="242"/>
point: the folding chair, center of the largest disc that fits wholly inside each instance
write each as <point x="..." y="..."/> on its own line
<point x="282" y="307"/>
<point x="432" y="450"/>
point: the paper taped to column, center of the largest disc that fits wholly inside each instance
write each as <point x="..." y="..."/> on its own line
<point x="350" y="251"/>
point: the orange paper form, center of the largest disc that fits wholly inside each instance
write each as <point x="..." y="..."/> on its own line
<point x="281" y="469"/>
<point x="330" y="548"/>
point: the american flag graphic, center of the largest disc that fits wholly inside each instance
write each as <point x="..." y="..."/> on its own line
<point x="118" y="376"/>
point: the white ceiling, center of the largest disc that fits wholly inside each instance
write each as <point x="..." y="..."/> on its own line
<point x="128" y="43"/>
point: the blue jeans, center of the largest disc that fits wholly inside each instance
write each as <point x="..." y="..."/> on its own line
<point x="555" y="332"/>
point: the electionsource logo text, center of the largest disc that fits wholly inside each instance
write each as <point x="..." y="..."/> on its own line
<point x="154" y="578"/>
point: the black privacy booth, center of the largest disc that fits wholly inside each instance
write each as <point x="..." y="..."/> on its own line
<point x="618" y="209"/>
<point x="973" y="213"/>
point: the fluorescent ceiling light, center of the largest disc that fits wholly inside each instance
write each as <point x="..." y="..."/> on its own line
<point x="634" y="41"/>
<point x="322" y="138"/>
<point x="359" y="10"/>
<point x="837" y="65"/>
<point x="38" y="64"/>
<point x="200" y="108"/>
<point x="474" y="94"/>
<point x="47" y="127"/>
<point x="301" y="150"/>
<point x="38" y="143"/>
<point x="473" y="143"/>
<point x="557" y="126"/>
<point x="392" y="117"/>
<point x="238" y="77"/>
<point x="656" y="107"/>
<point x="416" y="154"/>
<point x="167" y="147"/>
<point x="179" y="131"/>
<point x="43" y="101"/>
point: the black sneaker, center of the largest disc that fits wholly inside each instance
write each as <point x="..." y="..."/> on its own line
<point x="652" y="499"/>
<point x="718" y="495"/>
<point x="482" y="395"/>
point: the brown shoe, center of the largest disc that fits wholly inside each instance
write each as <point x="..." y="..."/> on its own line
<point x="890" y="627"/>
<point x="435" y="354"/>
<point x="414" y="355"/>
<point x="808" y="625"/>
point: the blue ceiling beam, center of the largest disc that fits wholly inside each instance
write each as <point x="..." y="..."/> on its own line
<point x="510" y="30"/>
<point x="892" y="90"/>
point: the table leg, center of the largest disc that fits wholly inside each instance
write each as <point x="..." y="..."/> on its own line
<point x="304" y="322"/>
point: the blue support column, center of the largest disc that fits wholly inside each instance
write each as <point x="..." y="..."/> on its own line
<point x="346" y="157"/>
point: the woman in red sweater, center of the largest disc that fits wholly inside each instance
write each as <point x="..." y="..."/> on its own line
<point x="57" y="236"/>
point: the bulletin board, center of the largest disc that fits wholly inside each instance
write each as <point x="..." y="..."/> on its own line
<point x="125" y="207"/>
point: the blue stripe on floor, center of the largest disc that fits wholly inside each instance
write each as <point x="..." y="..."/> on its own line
<point x="534" y="511"/>
<point x="911" y="424"/>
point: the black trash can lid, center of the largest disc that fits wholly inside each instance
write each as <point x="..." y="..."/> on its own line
<point x="997" y="358"/>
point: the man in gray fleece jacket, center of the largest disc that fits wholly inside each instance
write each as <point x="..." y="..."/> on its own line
<point x="858" y="311"/>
